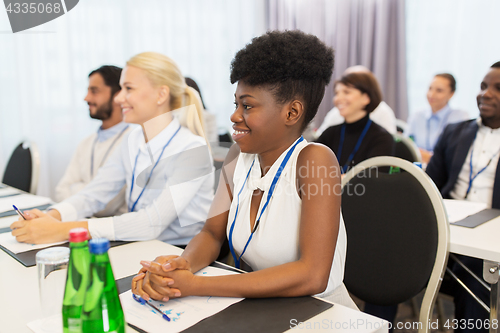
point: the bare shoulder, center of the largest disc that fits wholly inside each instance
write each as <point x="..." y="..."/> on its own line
<point x="317" y="153"/>
<point x="317" y="163"/>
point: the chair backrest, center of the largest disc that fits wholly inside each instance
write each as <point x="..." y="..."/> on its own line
<point x="406" y="149"/>
<point x="401" y="126"/>
<point x="219" y="154"/>
<point x="23" y="168"/>
<point x="397" y="234"/>
<point x="225" y="135"/>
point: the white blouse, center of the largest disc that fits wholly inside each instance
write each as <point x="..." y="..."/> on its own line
<point x="276" y="240"/>
<point x="175" y="202"/>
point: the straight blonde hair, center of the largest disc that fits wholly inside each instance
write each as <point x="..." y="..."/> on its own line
<point x="163" y="71"/>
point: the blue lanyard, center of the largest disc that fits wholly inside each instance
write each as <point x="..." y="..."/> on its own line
<point x="471" y="179"/>
<point x="237" y="259"/>
<point x="150" y="174"/>
<point x="356" y="148"/>
<point x="106" y="154"/>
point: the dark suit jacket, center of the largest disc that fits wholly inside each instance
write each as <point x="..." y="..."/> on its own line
<point x="449" y="156"/>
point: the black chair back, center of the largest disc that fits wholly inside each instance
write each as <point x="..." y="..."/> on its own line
<point x="406" y="149"/>
<point x="18" y="172"/>
<point x="392" y="237"/>
<point x="402" y="151"/>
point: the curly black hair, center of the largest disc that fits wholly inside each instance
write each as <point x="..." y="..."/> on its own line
<point x="291" y="63"/>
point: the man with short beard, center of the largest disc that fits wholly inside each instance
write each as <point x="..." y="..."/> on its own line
<point x="471" y="144"/>
<point x="93" y="151"/>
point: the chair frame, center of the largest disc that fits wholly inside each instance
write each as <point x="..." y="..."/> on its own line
<point x="35" y="166"/>
<point x="402" y="124"/>
<point x="443" y="246"/>
<point x="411" y="146"/>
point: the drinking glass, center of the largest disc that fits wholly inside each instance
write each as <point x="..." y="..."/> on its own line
<point x="52" y="264"/>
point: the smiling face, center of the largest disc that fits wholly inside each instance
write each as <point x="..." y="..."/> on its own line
<point x="488" y="99"/>
<point x="260" y="123"/>
<point x="350" y="101"/>
<point x="139" y="99"/>
<point x="99" y="98"/>
<point x="439" y="93"/>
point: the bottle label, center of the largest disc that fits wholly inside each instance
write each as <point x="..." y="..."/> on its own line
<point x="74" y="325"/>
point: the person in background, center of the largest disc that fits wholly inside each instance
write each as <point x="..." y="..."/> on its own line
<point x="382" y="114"/>
<point x="425" y="126"/>
<point x="471" y="144"/>
<point x="281" y="79"/>
<point x="94" y="150"/>
<point x="165" y="165"/>
<point x="210" y="120"/>
<point x="358" y="138"/>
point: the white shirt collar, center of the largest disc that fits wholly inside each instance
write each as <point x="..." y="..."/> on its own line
<point x="440" y="114"/>
<point x="104" y="134"/>
<point x="483" y="127"/>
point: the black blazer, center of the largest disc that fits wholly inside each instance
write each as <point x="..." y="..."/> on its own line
<point x="449" y="156"/>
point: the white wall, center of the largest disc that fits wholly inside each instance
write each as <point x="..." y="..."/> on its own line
<point x="456" y="36"/>
<point x="43" y="71"/>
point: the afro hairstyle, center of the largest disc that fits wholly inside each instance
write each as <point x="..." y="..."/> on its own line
<point x="293" y="64"/>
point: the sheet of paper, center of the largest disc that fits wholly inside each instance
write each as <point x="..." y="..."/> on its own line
<point x="45" y="325"/>
<point x="8" y="220"/>
<point x="459" y="209"/>
<point x="51" y="324"/>
<point x="22" y="201"/>
<point x="183" y="312"/>
<point x="9" y="191"/>
<point x="9" y="242"/>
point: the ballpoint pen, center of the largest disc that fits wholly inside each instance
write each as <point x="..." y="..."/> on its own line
<point x="144" y="302"/>
<point x="19" y="212"/>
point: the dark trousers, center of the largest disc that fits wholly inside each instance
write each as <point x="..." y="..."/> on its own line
<point x="385" y="312"/>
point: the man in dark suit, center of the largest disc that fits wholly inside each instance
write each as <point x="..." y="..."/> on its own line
<point x="465" y="166"/>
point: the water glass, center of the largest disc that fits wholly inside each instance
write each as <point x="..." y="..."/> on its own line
<point x="52" y="264"/>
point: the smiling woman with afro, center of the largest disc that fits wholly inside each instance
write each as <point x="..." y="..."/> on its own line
<point x="278" y="200"/>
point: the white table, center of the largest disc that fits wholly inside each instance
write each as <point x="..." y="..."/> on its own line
<point x="20" y="300"/>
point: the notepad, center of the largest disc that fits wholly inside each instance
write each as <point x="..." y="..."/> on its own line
<point x="5" y="222"/>
<point x="183" y="312"/>
<point x="460" y="209"/>
<point x="9" y="191"/>
<point x="10" y="243"/>
<point x="55" y="326"/>
<point x="22" y="201"/>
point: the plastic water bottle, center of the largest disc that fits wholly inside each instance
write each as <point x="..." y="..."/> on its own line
<point x="102" y="310"/>
<point x="76" y="280"/>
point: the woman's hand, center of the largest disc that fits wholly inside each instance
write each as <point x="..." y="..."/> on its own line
<point x="39" y="228"/>
<point x="426" y="155"/>
<point x="170" y="263"/>
<point x="158" y="286"/>
<point x="174" y="283"/>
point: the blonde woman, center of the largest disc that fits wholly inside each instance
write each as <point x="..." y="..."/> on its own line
<point x="165" y="164"/>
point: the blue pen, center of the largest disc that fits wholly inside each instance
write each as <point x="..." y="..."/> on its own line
<point x="144" y="302"/>
<point x="19" y="212"/>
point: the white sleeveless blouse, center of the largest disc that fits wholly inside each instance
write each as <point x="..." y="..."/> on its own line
<point x="276" y="240"/>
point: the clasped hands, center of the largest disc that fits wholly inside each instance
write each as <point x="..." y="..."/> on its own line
<point x="38" y="228"/>
<point x="164" y="278"/>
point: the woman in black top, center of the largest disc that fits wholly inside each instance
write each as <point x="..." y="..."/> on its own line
<point x="358" y="138"/>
